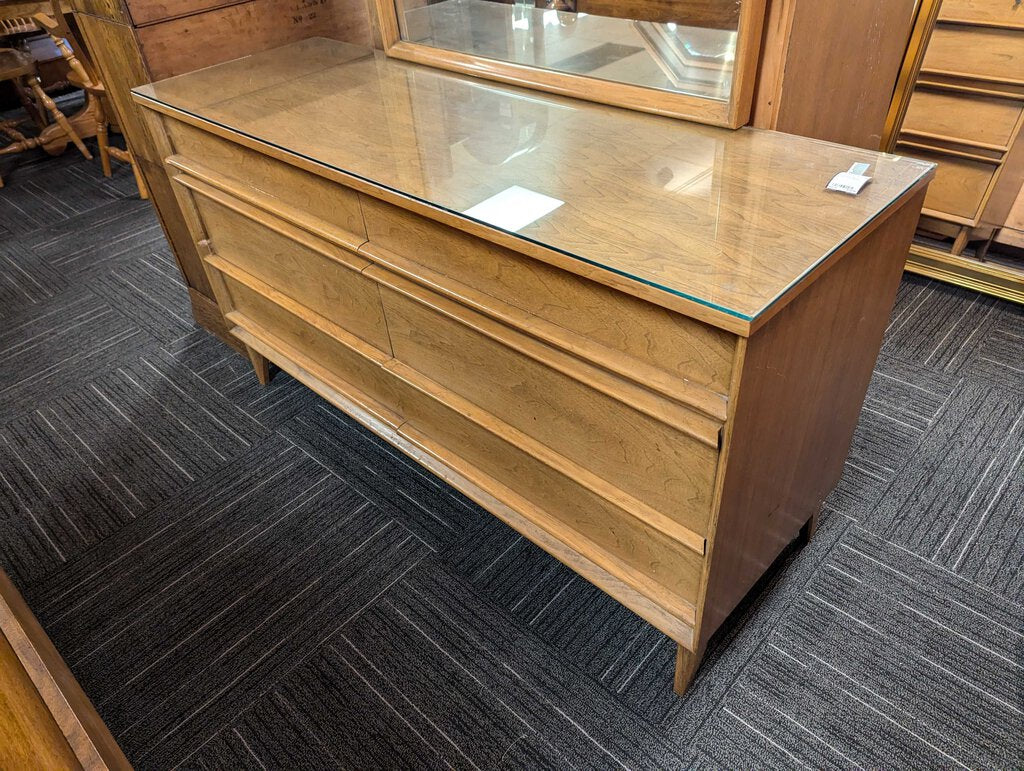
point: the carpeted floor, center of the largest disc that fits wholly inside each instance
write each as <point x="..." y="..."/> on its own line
<point x="242" y="577"/>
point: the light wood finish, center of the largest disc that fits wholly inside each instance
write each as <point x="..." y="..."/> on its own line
<point x="642" y="338"/>
<point x="828" y="67"/>
<point x="981" y="121"/>
<point x="960" y="186"/>
<point x="752" y="216"/>
<point x="960" y="103"/>
<point x="201" y="33"/>
<point x="1012" y="232"/>
<point x="665" y="452"/>
<point x="733" y="112"/>
<point x="217" y="30"/>
<point x="987" y="277"/>
<point x="46" y="720"/>
<point x="1001" y="13"/>
<point x="19" y="68"/>
<point x="989" y="54"/>
<point x="562" y="402"/>
<point x="318" y="274"/>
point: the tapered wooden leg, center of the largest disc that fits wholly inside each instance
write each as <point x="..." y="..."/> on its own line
<point x="686" y="668"/>
<point x="62" y="121"/>
<point x="808" y="530"/>
<point x="260" y="365"/>
<point x="960" y="242"/>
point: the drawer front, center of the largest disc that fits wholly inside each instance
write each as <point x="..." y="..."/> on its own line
<point x="293" y="194"/>
<point x="958" y="116"/>
<point x="630" y="335"/>
<point x="959" y="186"/>
<point x="531" y="388"/>
<point x="323" y="277"/>
<point x="285" y="328"/>
<point x="983" y="52"/>
<point x="1009" y="12"/>
<point x="639" y="554"/>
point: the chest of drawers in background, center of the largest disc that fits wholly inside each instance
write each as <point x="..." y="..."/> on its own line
<point x="966" y="113"/>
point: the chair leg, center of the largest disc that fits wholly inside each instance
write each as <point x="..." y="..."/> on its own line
<point x="58" y="116"/>
<point x="30" y="107"/>
<point x="102" y="139"/>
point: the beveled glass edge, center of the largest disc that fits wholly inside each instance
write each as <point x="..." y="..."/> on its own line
<point x="927" y="168"/>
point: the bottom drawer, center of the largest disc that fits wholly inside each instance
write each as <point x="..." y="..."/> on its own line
<point x="959" y="186"/>
<point x="354" y="361"/>
<point x="653" y="565"/>
<point x="641" y="556"/>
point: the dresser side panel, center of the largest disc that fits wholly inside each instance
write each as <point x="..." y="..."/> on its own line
<point x="798" y="399"/>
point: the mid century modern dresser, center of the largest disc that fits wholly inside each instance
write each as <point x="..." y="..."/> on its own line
<point x="642" y="343"/>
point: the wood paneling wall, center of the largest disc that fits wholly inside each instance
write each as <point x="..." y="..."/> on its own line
<point x="829" y="67"/>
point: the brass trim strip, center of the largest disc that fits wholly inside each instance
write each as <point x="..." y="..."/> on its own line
<point x="988" y="278"/>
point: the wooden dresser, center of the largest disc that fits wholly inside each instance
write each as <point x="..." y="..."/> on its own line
<point x="642" y="343"/>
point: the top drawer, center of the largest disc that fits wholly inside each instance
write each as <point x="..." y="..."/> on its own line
<point x="295" y="195"/>
<point x="982" y="52"/>
<point x="997" y="12"/>
<point x="667" y="352"/>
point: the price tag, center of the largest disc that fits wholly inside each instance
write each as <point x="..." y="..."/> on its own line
<point x="850" y="182"/>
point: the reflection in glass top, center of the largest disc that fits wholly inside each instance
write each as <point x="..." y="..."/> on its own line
<point x="686" y="46"/>
<point x="727" y="219"/>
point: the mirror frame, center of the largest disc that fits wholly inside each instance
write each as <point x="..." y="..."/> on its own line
<point x="731" y="114"/>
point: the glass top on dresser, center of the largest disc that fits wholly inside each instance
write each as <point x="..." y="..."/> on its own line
<point x="728" y="219"/>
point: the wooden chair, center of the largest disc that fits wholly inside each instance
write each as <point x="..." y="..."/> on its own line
<point x="84" y="76"/>
<point x="19" y="68"/>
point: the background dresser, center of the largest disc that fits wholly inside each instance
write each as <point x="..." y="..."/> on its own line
<point x="960" y="103"/>
<point x="649" y="362"/>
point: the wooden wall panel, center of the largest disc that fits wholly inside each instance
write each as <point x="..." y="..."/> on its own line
<point x="192" y="42"/>
<point x="829" y="67"/>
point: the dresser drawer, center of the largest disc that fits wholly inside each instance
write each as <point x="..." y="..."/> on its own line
<point x="583" y="415"/>
<point x="301" y="198"/>
<point x="305" y="338"/>
<point x="983" y="11"/>
<point x="466" y="439"/>
<point x="315" y="273"/>
<point x="976" y="119"/>
<point x="987" y="53"/>
<point x="676" y="355"/>
<point x="959" y="187"/>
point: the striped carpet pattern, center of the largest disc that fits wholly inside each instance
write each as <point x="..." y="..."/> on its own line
<point x="241" y="577"/>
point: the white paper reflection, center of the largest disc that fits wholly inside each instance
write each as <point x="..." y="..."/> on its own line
<point x="513" y="208"/>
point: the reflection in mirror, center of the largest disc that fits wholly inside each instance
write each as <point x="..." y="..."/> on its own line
<point x="684" y="46"/>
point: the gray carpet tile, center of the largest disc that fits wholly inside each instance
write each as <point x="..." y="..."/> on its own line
<point x="960" y="494"/>
<point x="242" y="577"/>
<point x="148" y="290"/>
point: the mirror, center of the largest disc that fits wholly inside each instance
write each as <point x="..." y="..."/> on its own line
<point x="681" y="46"/>
<point x="692" y="59"/>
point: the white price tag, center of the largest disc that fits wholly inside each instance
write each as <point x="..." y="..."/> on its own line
<point x="848" y="182"/>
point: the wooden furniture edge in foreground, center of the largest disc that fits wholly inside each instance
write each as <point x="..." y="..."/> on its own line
<point x="66" y="724"/>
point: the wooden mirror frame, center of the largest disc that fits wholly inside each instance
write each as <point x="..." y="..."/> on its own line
<point x="731" y="114"/>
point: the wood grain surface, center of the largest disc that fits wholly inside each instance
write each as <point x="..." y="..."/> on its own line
<point x="751" y="215"/>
